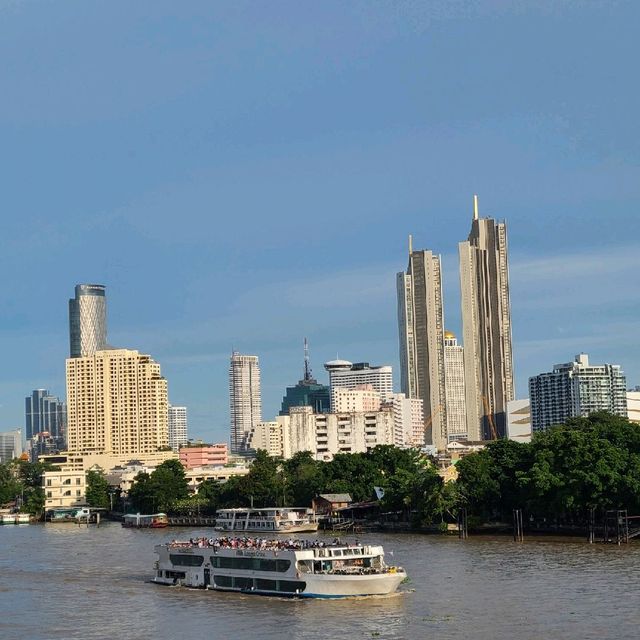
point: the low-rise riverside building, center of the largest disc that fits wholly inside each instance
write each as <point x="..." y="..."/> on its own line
<point x="327" y="503"/>
<point x="61" y="486"/>
<point x="197" y="475"/>
<point x="204" y="454"/>
<point x="66" y="487"/>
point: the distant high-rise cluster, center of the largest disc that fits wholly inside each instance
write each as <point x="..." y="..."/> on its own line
<point x="244" y="398"/>
<point x="465" y="388"/>
<point x="87" y="320"/>
<point x="44" y="413"/>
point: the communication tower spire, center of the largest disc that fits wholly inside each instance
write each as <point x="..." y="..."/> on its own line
<point x="307" y="365"/>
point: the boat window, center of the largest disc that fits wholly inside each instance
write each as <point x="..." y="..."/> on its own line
<point x="265" y="565"/>
<point x="265" y="585"/>
<point x="291" y="586"/>
<point x="175" y="574"/>
<point x="242" y="583"/>
<point x="186" y="561"/>
<point x="250" y="564"/>
<point x="336" y="552"/>
<point x="222" y="581"/>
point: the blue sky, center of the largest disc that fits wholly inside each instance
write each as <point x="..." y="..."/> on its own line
<point x="244" y="174"/>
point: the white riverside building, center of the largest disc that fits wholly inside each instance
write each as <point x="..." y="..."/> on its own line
<point x="244" y="398"/>
<point x="576" y="389"/>
<point x="323" y="434"/>
<point x="456" y="403"/>
<point x="347" y="375"/>
<point x="178" y="430"/>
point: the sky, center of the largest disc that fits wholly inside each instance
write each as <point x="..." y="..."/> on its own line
<point x="241" y="175"/>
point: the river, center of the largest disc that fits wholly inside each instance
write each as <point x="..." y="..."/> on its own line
<point x="62" y="581"/>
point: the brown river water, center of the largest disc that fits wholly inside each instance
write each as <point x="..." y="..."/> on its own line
<point x="65" y="581"/>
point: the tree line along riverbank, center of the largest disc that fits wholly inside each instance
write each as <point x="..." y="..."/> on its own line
<point x="557" y="481"/>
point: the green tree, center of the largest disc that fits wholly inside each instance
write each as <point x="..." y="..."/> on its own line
<point x="303" y="478"/>
<point x="142" y="493"/>
<point x="97" y="489"/>
<point x="10" y="486"/>
<point x="168" y="484"/>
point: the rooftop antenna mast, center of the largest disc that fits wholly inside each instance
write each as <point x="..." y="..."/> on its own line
<point x="307" y="365"/>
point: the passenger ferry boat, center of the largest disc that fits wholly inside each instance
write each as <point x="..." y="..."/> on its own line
<point x="139" y="521"/>
<point x="270" y="520"/>
<point x="290" y="568"/>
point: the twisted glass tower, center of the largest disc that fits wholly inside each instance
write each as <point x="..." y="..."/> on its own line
<point x="87" y="320"/>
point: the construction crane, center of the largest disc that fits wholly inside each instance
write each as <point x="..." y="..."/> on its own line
<point x="429" y="419"/>
<point x="492" y="424"/>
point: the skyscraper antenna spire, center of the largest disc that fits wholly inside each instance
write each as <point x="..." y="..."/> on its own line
<point x="475" y="207"/>
<point x="410" y="244"/>
<point x="307" y="364"/>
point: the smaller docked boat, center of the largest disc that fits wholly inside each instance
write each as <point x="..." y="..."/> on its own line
<point x="141" y="521"/>
<point x="267" y="521"/>
<point x="15" y="518"/>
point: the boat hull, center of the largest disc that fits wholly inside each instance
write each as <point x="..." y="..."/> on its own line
<point x="351" y="586"/>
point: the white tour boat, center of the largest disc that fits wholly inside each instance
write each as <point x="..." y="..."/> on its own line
<point x="290" y="568"/>
<point x="270" y="520"/>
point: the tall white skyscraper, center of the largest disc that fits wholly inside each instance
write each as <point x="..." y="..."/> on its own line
<point x="177" y="427"/>
<point x="87" y="320"/>
<point x="346" y="375"/>
<point x="454" y="385"/>
<point x="421" y="335"/>
<point x="244" y="398"/>
<point x="486" y="327"/>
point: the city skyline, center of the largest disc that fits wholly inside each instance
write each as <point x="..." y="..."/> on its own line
<point x="227" y="206"/>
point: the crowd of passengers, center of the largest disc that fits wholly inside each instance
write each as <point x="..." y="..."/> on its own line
<point x="259" y="543"/>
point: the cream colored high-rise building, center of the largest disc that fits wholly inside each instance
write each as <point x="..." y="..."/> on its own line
<point x="486" y="327"/>
<point x="421" y="333"/>
<point x="245" y="400"/>
<point x="267" y="436"/>
<point x="116" y="404"/>
<point x="454" y="384"/>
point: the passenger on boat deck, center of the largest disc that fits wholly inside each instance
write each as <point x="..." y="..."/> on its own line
<point x="228" y="542"/>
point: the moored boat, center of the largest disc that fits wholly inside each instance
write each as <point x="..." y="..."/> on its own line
<point x="140" y="521"/>
<point x="267" y="521"/>
<point x="291" y="568"/>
